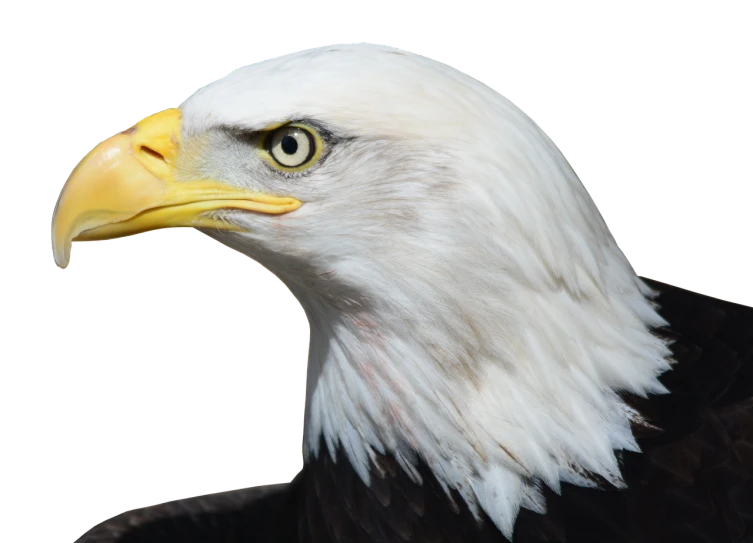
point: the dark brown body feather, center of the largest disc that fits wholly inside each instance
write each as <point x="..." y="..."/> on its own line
<point x="693" y="482"/>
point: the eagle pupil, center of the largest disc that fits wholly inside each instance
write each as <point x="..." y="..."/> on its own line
<point x="289" y="145"/>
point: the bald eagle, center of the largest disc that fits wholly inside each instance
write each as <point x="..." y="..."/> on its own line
<point x="484" y="363"/>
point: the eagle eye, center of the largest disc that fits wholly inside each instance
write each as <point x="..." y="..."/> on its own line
<point x="293" y="147"/>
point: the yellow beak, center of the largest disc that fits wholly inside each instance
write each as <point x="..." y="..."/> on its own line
<point x="126" y="185"/>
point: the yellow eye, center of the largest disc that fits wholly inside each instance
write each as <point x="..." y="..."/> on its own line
<point x="293" y="147"/>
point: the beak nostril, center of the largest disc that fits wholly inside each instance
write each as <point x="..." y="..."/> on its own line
<point x="151" y="152"/>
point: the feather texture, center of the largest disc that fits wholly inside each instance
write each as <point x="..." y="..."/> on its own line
<point x="484" y="362"/>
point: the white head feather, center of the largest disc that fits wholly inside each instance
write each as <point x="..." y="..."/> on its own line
<point x="467" y="302"/>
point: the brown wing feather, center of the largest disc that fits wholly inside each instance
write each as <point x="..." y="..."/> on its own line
<point x="251" y="514"/>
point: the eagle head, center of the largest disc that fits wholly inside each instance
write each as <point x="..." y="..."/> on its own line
<point x="468" y="305"/>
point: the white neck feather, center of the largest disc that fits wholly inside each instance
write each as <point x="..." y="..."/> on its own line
<point x="522" y="390"/>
